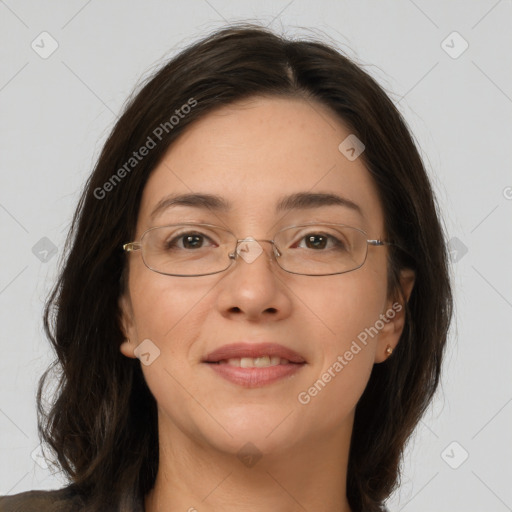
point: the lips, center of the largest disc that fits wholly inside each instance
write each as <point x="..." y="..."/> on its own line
<point x="246" y="350"/>
<point x="254" y="365"/>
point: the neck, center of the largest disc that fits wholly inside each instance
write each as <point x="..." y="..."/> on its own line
<point x="193" y="476"/>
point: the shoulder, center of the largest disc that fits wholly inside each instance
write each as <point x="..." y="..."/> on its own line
<point x="59" y="500"/>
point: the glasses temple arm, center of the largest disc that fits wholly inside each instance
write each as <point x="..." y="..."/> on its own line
<point x="131" y="246"/>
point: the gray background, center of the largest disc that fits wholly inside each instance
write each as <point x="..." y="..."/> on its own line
<point x="56" y="113"/>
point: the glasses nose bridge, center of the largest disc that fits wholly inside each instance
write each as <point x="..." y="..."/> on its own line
<point x="250" y="239"/>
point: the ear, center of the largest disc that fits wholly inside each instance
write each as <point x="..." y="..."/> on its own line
<point x="127" y="347"/>
<point x="394" y="317"/>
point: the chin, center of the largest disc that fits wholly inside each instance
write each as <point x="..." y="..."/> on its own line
<point x="268" y="427"/>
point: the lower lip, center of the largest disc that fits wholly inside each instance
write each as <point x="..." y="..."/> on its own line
<point x="255" y="377"/>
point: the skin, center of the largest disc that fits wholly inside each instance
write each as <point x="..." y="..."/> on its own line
<point x="251" y="154"/>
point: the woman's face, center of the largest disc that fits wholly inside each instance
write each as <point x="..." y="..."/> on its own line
<point x="253" y="155"/>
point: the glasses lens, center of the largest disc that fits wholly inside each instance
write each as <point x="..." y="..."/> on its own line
<point x="187" y="249"/>
<point x="321" y="249"/>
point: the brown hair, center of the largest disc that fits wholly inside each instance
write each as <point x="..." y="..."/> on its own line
<point x="102" y="423"/>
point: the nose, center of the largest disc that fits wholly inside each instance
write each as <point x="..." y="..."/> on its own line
<point x="253" y="288"/>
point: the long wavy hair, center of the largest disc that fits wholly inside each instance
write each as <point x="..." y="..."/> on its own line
<point x="100" y="422"/>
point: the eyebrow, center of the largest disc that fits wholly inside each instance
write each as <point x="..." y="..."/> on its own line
<point x="305" y="200"/>
<point x="203" y="201"/>
<point x="297" y="201"/>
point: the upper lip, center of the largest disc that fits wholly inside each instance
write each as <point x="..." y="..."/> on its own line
<point x="239" y="350"/>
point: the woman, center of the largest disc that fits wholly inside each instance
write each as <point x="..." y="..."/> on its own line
<point x="255" y="302"/>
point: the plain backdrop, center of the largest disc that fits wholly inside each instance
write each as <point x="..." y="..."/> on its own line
<point x="66" y="71"/>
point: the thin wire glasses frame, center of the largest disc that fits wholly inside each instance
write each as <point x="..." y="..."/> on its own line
<point x="233" y="246"/>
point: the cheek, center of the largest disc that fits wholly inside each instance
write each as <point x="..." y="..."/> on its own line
<point x="339" y="308"/>
<point x="169" y="311"/>
<point x="346" y="309"/>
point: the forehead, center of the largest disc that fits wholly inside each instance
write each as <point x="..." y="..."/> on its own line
<point x="256" y="152"/>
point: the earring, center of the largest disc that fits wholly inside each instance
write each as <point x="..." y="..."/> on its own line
<point x="389" y="350"/>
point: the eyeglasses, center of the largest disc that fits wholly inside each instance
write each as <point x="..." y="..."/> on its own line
<point x="192" y="250"/>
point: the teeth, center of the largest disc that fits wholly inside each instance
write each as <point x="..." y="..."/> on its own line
<point x="256" y="362"/>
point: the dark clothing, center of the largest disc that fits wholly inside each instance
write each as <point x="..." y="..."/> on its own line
<point x="60" y="500"/>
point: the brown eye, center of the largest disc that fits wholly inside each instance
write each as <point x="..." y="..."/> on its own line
<point x="320" y="242"/>
<point x="192" y="241"/>
<point x="189" y="241"/>
<point x="316" y="241"/>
